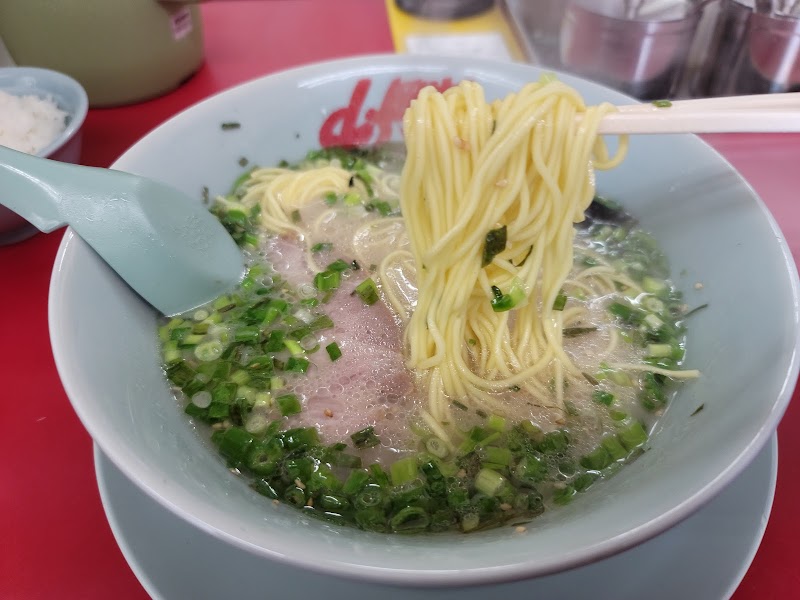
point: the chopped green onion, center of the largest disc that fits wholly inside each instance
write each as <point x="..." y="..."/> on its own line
<point x="294" y="347"/>
<point x="288" y="404"/>
<point x="365" y="438"/>
<point x="633" y="436"/>
<point x="584" y="481"/>
<point x="234" y="444"/>
<point x="662" y="103"/>
<point x="249" y="333"/>
<point x="327" y="280"/>
<point x="410" y="519"/>
<point x="554" y="442"/>
<point x="333" y="502"/>
<point x="333" y="351"/>
<point x="597" y="460"/>
<point x="372" y="519"/>
<point x="202" y="399"/>
<point x="208" y="351"/>
<point x="191" y="340"/>
<point x="240" y="377"/>
<point x="297" y="365"/>
<point x="228" y="125"/>
<point x="496" y="455"/>
<point x="383" y="207"/>
<point x="403" y="470"/>
<point x="367" y="291"/>
<point x="256" y="424"/>
<point x="351" y="199"/>
<point x="275" y="341"/>
<point x="614" y="448"/>
<point x="653" y="304"/>
<point x="224" y="392"/>
<point x="437" y="447"/>
<point x="560" y="302"/>
<point x="576" y="331"/>
<point x="355" y="482"/>
<point x="530" y="470"/>
<point x="219" y="411"/>
<point x="262" y="364"/>
<point x="618" y="415"/>
<point x="201" y="328"/>
<point x="331" y="198"/>
<point x="653" y="322"/>
<point x="603" y="397"/>
<point x="659" y="350"/>
<point x="322" y="247"/>
<point x="470" y="521"/>
<point x="321" y="322"/>
<point x="299" y="437"/>
<point x="338" y="265"/>
<point x="496" y="423"/>
<point x="295" y="496"/>
<point x="502" y="302"/>
<point x="564" y="495"/>
<point x="490" y="482"/>
<point x="626" y="312"/>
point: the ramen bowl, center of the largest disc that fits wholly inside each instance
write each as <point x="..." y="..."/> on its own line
<point x="710" y="223"/>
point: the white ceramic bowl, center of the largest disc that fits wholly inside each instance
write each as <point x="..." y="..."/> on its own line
<point x="713" y="227"/>
<point x="70" y="97"/>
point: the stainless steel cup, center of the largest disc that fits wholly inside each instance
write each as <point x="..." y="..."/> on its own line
<point x="750" y="53"/>
<point x="642" y="57"/>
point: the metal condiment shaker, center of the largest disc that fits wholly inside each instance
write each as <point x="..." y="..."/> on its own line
<point x="755" y="49"/>
<point x="638" y="47"/>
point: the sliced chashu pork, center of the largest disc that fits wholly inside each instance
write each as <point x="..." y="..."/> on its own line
<point x="369" y="384"/>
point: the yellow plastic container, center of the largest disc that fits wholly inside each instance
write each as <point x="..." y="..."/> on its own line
<point x="121" y="51"/>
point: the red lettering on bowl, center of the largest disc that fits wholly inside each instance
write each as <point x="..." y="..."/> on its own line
<point x="344" y="126"/>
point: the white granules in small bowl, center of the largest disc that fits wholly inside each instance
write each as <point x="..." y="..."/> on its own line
<point x="29" y="123"/>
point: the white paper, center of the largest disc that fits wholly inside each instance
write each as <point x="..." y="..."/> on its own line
<point x="484" y="45"/>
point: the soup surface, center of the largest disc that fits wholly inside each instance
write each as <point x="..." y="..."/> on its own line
<point x="300" y="377"/>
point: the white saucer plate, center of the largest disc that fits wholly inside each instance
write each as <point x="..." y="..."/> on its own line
<point x="703" y="558"/>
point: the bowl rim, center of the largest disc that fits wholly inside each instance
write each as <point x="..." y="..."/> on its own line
<point x="77" y="116"/>
<point x="447" y="577"/>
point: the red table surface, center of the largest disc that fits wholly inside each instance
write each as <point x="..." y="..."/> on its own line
<point x="56" y="542"/>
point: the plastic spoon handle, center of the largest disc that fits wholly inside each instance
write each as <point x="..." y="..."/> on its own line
<point x="165" y="245"/>
<point x="28" y="196"/>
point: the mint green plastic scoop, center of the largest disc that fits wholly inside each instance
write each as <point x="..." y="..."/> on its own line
<point x="165" y="245"/>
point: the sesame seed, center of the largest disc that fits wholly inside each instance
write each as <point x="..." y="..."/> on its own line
<point x="505" y="506"/>
<point x="328" y="412"/>
<point x="520" y="529"/>
<point x="502" y="183"/>
<point x="698" y="286"/>
<point x="300" y="484"/>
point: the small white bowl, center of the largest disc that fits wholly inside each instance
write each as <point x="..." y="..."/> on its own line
<point x="709" y="222"/>
<point x="70" y="97"/>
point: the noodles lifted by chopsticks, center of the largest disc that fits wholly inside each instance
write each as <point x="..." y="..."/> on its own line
<point x="490" y="193"/>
